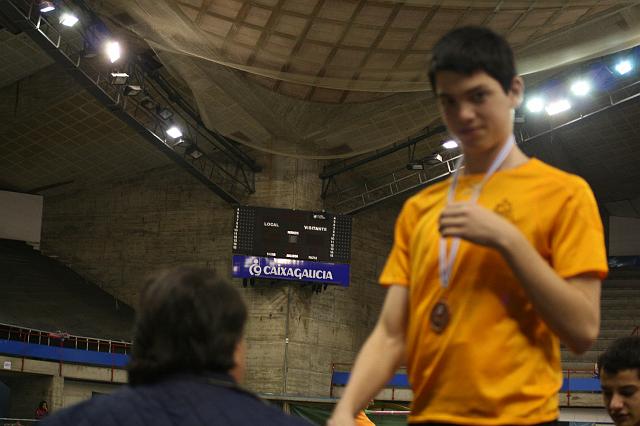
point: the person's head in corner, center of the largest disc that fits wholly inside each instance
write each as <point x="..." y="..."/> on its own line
<point x="473" y="76"/>
<point x="189" y="320"/>
<point x="619" y="369"/>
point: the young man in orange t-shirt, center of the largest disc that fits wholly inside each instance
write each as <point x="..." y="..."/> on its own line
<point x="363" y="420"/>
<point x="489" y="270"/>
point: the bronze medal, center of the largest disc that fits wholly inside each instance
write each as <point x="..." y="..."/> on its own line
<point x="440" y="317"/>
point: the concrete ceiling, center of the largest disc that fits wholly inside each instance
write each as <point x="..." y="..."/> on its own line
<point x="316" y="79"/>
<point x="331" y="78"/>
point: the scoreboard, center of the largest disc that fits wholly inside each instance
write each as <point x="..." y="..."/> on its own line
<point x="292" y="234"/>
<point x="291" y="245"/>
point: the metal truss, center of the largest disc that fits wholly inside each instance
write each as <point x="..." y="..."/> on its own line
<point x="356" y="199"/>
<point x="207" y="155"/>
<point x="342" y="166"/>
<point x="614" y="98"/>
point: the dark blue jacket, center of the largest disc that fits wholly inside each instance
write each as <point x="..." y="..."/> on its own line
<point x="180" y="400"/>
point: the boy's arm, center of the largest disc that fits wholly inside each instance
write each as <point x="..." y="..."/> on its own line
<point x="379" y="358"/>
<point x="571" y="307"/>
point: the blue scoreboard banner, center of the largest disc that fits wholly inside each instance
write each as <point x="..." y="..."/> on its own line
<point x="290" y="269"/>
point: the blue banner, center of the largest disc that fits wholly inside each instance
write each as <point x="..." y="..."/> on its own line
<point x="290" y="269"/>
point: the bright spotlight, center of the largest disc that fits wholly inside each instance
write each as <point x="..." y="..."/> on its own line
<point x="535" y="104"/>
<point x="557" y="107"/>
<point x="46" y="6"/>
<point x="450" y="144"/>
<point x="624" y="67"/>
<point x="119" y="78"/>
<point x="68" y="19"/>
<point x="113" y="51"/>
<point x="174" y="132"/>
<point x="580" y="88"/>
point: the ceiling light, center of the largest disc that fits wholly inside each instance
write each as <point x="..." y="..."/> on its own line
<point x="580" y="88"/>
<point x="46" y="6"/>
<point x="113" y="50"/>
<point x="535" y="104"/>
<point x="119" y="78"/>
<point x="68" y="19"/>
<point x="148" y="103"/>
<point x="624" y="67"/>
<point x="433" y="160"/>
<point x="558" y="106"/>
<point x="132" y="90"/>
<point x="183" y="143"/>
<point x="174" y="132"/>
<point x="193" y="152"/>
<point x="164" y="113"/>
<point x="450" y="144"/>
<point x="415" y="165"/>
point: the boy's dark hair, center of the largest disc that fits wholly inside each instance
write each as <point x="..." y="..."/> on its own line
<point x="623" y="354"/>
<point x="189" y="320"/>
<point x="470" y="49"/>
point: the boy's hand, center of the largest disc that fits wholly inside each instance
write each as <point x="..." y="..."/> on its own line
<point x="476" y="224"/>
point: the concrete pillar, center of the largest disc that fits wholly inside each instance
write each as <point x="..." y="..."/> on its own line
<point x="118" y="232"/>
<point x="55" y="393"/>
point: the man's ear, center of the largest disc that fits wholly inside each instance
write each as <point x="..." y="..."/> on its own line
<point x="517" y="91"/>
<point x="239" y="360"/>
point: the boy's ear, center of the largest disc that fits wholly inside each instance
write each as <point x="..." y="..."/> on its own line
<point x="517" y="91"/>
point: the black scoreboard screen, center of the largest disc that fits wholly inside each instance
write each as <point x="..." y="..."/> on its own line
<point x="292" y="234"/>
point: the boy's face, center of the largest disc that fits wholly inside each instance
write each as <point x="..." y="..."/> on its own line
<point x="621" y="394"/>
<point x="476" y="109"/>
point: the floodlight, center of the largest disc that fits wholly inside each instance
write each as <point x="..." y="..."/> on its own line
<point x="535" y="104"/>
<point x="132" y="90"/>
<point x="174" y="132"/>
<point x="624" y="66"/>
<point x="163" y="112"/>
<point x="450" y="144"/>
<point x="113" y="50"/>
<point x="193" y="152"/>
<point x="46" y="6"/>
<point x="119" y="78"/>
<point x="148" y="103"/>
<point x="557" y="107"/>
<point x="580" y="88"/>
<point x="182" y="143"/>
<point x="68" y="19"/>
<point x="433" y="160"/>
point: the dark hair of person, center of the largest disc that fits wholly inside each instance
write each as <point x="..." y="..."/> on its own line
<point x="189" y="321"/>
<point x="467" y="50"/>
<point x="623" y="354"/>
<point x="42" y="404"/>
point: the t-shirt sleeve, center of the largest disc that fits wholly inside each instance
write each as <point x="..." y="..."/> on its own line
<point x="396" y="269"/>
<point x="577" y="239"/>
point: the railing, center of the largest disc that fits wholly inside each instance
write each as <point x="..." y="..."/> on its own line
<point x="63" y="340"/>
<point x="8" y="421"/>
<point x="579" y="384"/>
<point x="573" y="381"/>
<point x="63" y="348"/>
<point x="340" y="375"/>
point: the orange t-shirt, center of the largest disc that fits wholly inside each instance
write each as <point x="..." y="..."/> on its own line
<point x="362" y="420"/>
<point x="497" y="362"/>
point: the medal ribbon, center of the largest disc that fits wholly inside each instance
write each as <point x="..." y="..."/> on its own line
<point x="446" y="260"/>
